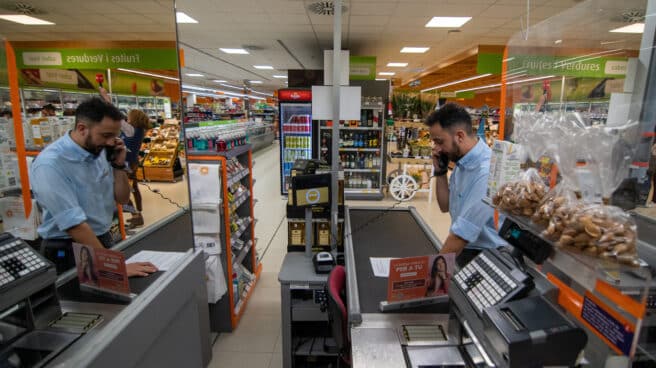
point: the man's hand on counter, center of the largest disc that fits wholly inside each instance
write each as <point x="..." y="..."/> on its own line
<point x="140" y="269"/>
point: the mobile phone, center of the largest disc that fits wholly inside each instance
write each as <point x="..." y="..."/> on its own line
<point x="110" y="153"/>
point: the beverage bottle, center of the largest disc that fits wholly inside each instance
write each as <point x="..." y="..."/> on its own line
<point x="361" y="162"/>
<point x="358" y="140"/>
<point x="354" y="160"/>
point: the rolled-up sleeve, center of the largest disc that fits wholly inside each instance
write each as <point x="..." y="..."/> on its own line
<point x="475" y="214"/>
<point x="55" y="194"/>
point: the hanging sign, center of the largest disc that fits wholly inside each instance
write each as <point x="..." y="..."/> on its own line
<point x="362" y="68"/>
<point x="588" y="66"/>
<point x="144" y="58"/>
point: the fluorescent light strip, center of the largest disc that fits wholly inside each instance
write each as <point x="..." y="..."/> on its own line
<point x="447" y="22"/>
<point x="510" y="83"/>
<point x="577" y="58"/>
<point x="234" y="51"/>
<point x="386" y="73"/>
<point x="26" y="20"/>
<point x="181" y="17"/>
<point x="457" y="82"/>
<point x="231" y="86"/>
<point x="256" y="82"/>
<point x="256" y="98"/>
<point x="262" y="93"/>
<point x="280" y="76"/>
<point x="194" y="75"/>
<point x="218" y="81"/>
<point x="263" y="67"/>
<point x="148" y="74"/>
<point x="397" y="65"/>
<point x="211" y="90"/>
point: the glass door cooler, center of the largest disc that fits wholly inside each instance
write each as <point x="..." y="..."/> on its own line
<point x="296" y="133"/>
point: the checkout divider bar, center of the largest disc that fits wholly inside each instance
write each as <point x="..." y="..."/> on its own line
<point x="72" y="273"/>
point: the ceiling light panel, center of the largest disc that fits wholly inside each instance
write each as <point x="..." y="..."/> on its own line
<point x="631" y="28"/>
<point x="234" y="51"/>
<point x="181" y="17"/>
<point x="280" y="76"/>
<point x="447" y="22"/>
<point x="26" y="20"/>
<point x="263" y="67"/>
<point x="414" y="50"/>
<point x="386" y="73"/>
<point x="194" y="75"/>
<point x="397" y="65"/>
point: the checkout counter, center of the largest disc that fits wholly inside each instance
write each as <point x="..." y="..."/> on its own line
<point x="47" y="321"/>
<point x="518" y="325"/>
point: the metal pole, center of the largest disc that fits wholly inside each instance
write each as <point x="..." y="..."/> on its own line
<point x="337" y="58"/>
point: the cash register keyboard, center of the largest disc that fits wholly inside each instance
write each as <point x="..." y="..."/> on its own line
<point x="18" y="260"/>
<point x="486" y="281"/>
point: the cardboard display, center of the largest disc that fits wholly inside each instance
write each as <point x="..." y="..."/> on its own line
<point x="101" y="270"/>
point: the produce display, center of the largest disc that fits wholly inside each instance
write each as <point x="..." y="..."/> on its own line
<point x="160" y="149"/>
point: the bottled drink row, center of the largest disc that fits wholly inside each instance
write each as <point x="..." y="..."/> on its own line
<point x="293" y="155"/>
<point x="297" y="142"/>
<point x="359" y="139"/>
<point x="217" y="138"/>
<point x="361" y="181"/>
<point x="298" y="124"/>
<point x="360" y="160"/>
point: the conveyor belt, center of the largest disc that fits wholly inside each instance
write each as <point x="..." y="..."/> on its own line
<point x="383" y="233"/>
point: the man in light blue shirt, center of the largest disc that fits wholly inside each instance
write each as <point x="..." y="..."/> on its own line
<point x="472" y="221"/>
<point x="77" y="184"/>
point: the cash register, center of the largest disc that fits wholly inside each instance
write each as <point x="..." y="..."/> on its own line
<point x="504" y="315"/>
<point x="30" y="313"/>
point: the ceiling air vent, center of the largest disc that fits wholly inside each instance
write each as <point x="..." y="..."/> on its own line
<point x="20" y="8"/>
<point x="633" y="16"/>
<point x="324" y="8"/>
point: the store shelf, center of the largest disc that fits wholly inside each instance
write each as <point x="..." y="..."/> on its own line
<point x="243" y="252"/>
<point x="352" y="128"/>
<point x="584" y="270"/>
<point x="298" y="149"/>
<point x="360" y="149"/>
<point x="297" y="134"/>
<point x="409" y="160"/>
<point x="239" y="201"/>
<point x="363" y="170"/>
<point x="410" y="124"/>
<point x="238" y="234"/>
<point x="237" y="177"/>
<point x="243" y="301"/>
<point x="372" y="107"/>
<point x="361" y="191"/>
<point x="237" y="151"/>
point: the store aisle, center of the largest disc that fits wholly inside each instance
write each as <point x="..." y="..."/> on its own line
<point x="256" y="343"/>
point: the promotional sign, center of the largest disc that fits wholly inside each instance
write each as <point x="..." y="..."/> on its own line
<point x="101" y="269"/>
<point x="588" y="66"/>
<point x="613" y="328"/>
<point x="295" y="95"/>
<point x="419" y="277"/>
<point x="362" y="68"/>
<point x="62" y="58"/>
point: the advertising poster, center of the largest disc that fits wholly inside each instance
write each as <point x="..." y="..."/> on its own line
<point x="101" y="269"/>
<point x="420" y="277"/>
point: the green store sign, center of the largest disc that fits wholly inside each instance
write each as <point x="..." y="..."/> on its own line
<point x="146" y="58"/>
<point x="362" y="68"/>
<point x="570" y="66"/>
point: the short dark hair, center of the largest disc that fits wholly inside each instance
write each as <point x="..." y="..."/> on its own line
<point x="49" y="107"/>
<point x="94" y="110"/>
<point x="449" y="116"/>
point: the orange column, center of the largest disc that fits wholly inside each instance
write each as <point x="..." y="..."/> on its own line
<point x="12" y="73"/>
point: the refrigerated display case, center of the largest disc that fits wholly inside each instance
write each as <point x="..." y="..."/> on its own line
<point x="296" y="131"/>
<point x="361" y="150"/>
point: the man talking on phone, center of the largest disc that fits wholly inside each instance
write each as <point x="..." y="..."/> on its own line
<point x="472" y="221"/>
<point x="77" y="181"/>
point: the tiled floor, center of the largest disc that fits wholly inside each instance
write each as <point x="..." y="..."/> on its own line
<point x="256" y="343"/>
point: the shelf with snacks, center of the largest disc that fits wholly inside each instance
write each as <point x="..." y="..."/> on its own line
<point x="240" y="264"/>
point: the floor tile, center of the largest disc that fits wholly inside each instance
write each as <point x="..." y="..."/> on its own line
<point x="256" y="341"/>
<point x="240" y="360"/>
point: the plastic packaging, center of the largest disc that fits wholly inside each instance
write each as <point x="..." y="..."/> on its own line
<point x="603" y="231"/>
<point x="521" y="197"/>
<point x="561" y="196"/>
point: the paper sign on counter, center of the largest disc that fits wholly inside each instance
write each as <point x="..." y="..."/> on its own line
<point x="380" y="266"/>
<point x="162" y="260"/>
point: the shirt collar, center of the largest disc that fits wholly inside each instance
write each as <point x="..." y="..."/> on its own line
<point x="471" y="159"/>
<point x="73" y="151"/>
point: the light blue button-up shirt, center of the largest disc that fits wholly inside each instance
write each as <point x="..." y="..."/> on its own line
<point x="72" y="186"/>
<point x="471" y="219"/>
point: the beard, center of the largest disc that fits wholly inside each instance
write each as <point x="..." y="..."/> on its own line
<point x="91" y="147"/>
<point x="456" y="153"/>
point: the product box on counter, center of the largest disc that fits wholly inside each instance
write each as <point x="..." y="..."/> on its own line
<point x="505" y="165"/>
<point x="321" y="237"/>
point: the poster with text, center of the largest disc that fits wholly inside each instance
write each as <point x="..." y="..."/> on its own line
<point x="101" y="269"/>
<point x="420" y="277"/>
